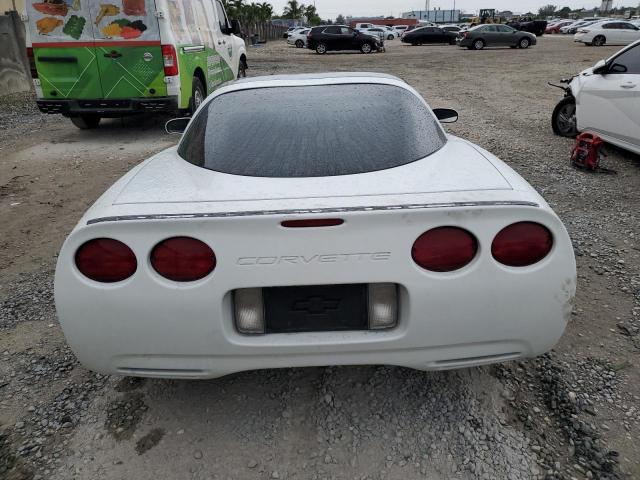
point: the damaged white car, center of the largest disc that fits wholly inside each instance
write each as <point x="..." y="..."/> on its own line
<point x="604" y="99"/>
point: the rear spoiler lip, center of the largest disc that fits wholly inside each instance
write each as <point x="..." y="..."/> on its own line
<point x="311" y="211"/>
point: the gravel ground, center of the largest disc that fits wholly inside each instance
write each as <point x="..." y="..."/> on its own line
<point x="573" y="413"/>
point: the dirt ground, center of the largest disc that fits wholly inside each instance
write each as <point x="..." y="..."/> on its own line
<point x="571" y="414"/>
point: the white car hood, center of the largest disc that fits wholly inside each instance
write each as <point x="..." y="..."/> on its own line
<point x="457" y="167"/>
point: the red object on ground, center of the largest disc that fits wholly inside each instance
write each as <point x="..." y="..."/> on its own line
<point x="586" y="153"/>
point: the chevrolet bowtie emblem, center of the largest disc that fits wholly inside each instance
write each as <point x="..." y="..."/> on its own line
<point x="316" y="305"/>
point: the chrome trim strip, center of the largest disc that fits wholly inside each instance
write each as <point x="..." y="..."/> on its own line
<point x="257" y="213"/>
<point x="194" y="49"/>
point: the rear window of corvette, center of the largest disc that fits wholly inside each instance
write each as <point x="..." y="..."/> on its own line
<point x="311" y="131"/>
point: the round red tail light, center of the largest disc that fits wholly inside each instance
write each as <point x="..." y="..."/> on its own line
<point x="183" y="259"/>
<point x="522" y="244"/>
<point x="444" y="249"/>
<point x="106" y="260"/>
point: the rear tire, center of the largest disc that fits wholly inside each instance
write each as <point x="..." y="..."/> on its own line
<point x="321" y="48"/>
<point x="197" y="95"/>
<point x="563" y="119"/>
<point x="599" y="41"/>
<point x="366" y="48"/>
<point x="478" y="44"/>
<point x="86" y="122"/>
<point x="390" y="37"/>
<point x="299" y="44"/>
<point x="242" y="68"/>
<point x="524" y="43"/>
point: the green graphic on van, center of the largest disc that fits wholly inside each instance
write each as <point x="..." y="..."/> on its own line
<point x="106" y="58"/>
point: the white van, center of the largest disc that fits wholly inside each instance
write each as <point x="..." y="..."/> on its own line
<point x="92" y="59"/>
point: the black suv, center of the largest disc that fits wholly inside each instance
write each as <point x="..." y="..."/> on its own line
<point x="340" y="37"/>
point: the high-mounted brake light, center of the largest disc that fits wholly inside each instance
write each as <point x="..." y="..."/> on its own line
<point x="106" y="260"/>
<point x="183" y="259"/>
<point x="522" y="244"/>
<point x="320" y="222"/>
<point x="444" y="249"/>
<point x="170" y="59"/>
<point x="32" y="63"/>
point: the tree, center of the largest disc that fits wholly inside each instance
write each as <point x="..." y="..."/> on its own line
<point x="311" y="13"/>
<point x="547" y="10"/>
<point x="340" y="20"/>
<point x="294" y="10"/>
<point x="564" y="12"/>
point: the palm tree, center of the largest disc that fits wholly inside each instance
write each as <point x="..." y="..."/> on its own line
<point x="294" y="10"/>
<point x="266" y="11"/>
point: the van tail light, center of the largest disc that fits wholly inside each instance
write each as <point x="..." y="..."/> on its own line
<point x="170" y="59"/>
<point x="183" y="259"/>
<point x="106" y="260"/>
<point x="32" y="63"/>
<point x="522" y="244"/>
<point x="444" y="249"/>
<point x="465" y="35"/>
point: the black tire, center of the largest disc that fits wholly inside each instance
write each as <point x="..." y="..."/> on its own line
<point x="86" y="122"/>
<point x="390" y="37"/>
<point x="321" y="48"/>
<point x="299" y="44"/>
<point x="599" y="41"/>
<point x="563" y="119"/>
<point x="242" y="68"/>
<point x="197" y="95"/>
<point x="366" y="47"/>
<point x="478" y="44"/>
<point x="524" y="43"/>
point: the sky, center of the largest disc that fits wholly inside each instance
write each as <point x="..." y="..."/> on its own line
<point x="332" y="8"/>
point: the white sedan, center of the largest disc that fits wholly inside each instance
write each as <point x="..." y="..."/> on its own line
<point x="291" y="228"/>
<point x="611" y="32"/>
<point x="298" y="38"/>
<point x="604" y="99"/>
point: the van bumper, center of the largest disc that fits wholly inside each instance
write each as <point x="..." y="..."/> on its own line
<point x="108" y="108"/>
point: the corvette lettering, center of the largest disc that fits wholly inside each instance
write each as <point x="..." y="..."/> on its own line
<point x="313" y="259"/>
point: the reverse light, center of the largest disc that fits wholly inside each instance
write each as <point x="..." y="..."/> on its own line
<point x="106" y="260"/>
<point x="183" y="259"/>
<point x="522" y="244"/>
<point x="383" y="305"/>
<point x="249" y="311"/>
<point x="444" y="249"/>
<point x="32" y="63"/>
<point x="170" y="59"/>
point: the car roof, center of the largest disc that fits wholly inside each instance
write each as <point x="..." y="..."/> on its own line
<point x="309" y="79"/>
<point x="302" y="77"/>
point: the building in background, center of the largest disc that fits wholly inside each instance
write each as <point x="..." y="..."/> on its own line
<point x="390" y="22"/>
<point x="435" y="16"/>
<point x="606" y="5"/>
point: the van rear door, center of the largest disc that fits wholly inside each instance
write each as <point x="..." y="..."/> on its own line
<point x="128" y="50"/>
<point x="64" y="49"/>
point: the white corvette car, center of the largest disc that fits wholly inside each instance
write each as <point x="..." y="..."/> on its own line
<point x="291" y="228"/>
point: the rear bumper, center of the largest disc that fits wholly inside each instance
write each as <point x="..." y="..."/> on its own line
<point x="149" y="326"/>
<point x="106" y="108"/>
